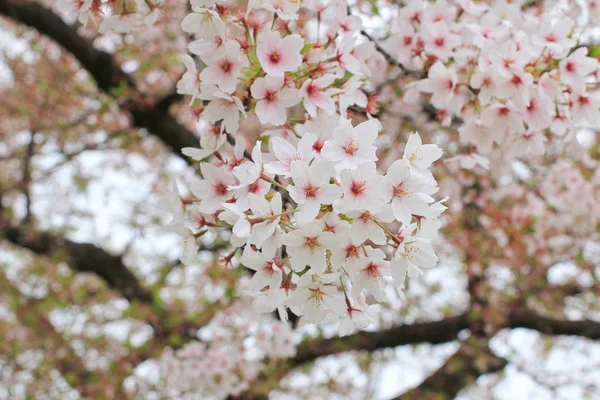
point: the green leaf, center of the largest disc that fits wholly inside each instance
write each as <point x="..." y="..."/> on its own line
<point x="594" y="51"/>
<point x="306" y="48"/>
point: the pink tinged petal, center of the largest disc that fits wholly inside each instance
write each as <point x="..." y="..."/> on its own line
<point x="327" y="194"/>
<point x="305" y="146"/>
<point x="399" y="270"/>
<point x="289" y="97"/>
<point x="377" y="235"/>
<point x="297" y="193"/>
<point x="258" y="204"/>
<point x="189" y="251"/>
<point x="294" y="239"/>
<point x="346" y="326"/>
<point x="200" y="189"/>
<point x="261" y="232"/>
<point x="258" y="90"/>
<point x="282" y="149"/>
<point x="196" y="154"/>
<point x="309" y="210"/>
<point x="300" y="172"/>
<point x="401" y="211"/>
<point x="242" y="228"/>
<point x="359" y="232"/>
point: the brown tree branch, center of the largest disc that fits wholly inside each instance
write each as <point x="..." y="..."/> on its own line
<point x="522" y="318"/>
<point x="86" y="257"/>
<point x="82" y="257"/>
<point x="434" y="332"/>
<point x="473" y="359"/>
<point x="153" y="116"/>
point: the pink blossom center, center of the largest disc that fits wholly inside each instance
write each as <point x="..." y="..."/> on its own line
<point x="352" y="251"/>
<point x="350" y="147"/>
<point x="358" y="187"/>
<point x="220" y="189"/>
<point x="516" y="80"/>
<point x="312" y="243"/>
<point x="400" y="190"/>
<point x="271" y="96"/>
<point x="275" y="57"/>
<point x="310" y="190"/>
<point x="372" y="270"/>
<point x="226" y="66"/>
<point x="318" y="145"/>
<point x="503" y="111"/>
<point x="570" y="66"/>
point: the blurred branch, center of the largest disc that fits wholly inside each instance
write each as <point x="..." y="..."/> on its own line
<point x="473" y="359"/>
<point x="523" y="318"/>
<point x="86" y="257"/>
<point x="82" y="257"/>
<point x="151" y="115"/>
<point x="388" y="57"/>
<point x="433" y="332"/>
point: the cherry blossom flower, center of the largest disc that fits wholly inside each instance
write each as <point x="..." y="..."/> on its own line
<point x="273" y="99"/>
<point x="408" y="194"/>
<point x="286" y="154"/>
<point x="269" y="213"/>
<point x="361" y="188"/>
<point x="204" y="23"/>
<point x="222" y="106"/>
<point x="576" y="67"/>
<point x="359" y="315"/>
<point x="351" y="146"/>
<point x="317" y="297"/>
<point x="312" y="188"/>
<point x="277" y="55"/>
<point x="307" y="245"/>
<point x="420" y="155"/>
<point x="314" y="96"/>
<point x="412" y="255"/>
<point x="225" y="70"/>
<point x="269" y="272"/>
<point x="212" y="190"/>
<point x="190" y="82"/>
<point x="441" y="83"/>
<point x="368" y="273"/>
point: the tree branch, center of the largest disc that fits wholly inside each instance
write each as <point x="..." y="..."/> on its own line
<point x="434" y="332"/>
<point x="83" y="257"/>
<point x="473" y="359"/>
<point x="108" y="75"/>
<point x="86" y="257"/>
<point x="549" y="326"/>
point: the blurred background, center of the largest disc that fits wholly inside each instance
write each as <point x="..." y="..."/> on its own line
<point x="95" y="304"/>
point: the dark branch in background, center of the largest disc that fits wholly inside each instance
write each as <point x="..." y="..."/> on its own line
<point x="153" y="116"/>
<point x="434" y="332"/>
<point x="389" y="58"/>
<point x="86" y="257"/>
<point x="82" y="257"/>
<point x="472" y="360"/>
<point x="550" y="326"/>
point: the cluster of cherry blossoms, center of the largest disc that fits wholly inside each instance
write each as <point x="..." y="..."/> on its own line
<point x="120" y="16"/>
<point x="322" y="229"/>
<point x="229" y="357"/>
<point x="510" y="75"/>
